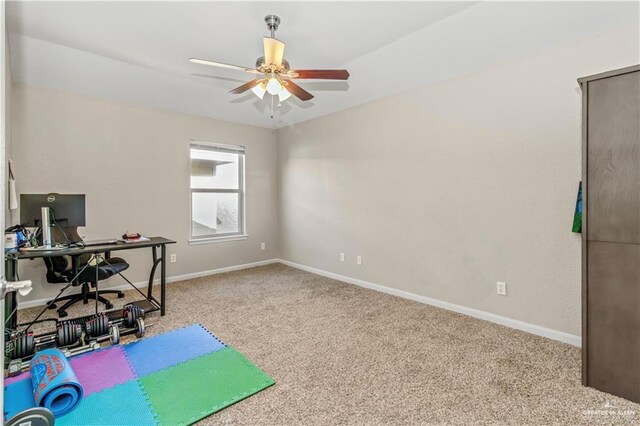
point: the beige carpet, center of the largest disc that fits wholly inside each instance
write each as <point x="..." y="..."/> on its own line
<point x="341" y="354"/>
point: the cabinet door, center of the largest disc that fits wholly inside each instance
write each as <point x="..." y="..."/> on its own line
<point x="613" y="325"/>
<point x="613" y="162"/>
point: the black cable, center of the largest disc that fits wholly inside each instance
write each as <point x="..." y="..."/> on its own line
<point x="123" y="277"/>
<point x="70" y="243"/>
<point x="9" y="317"/>
<point x="55" y="299"/>
<point x="34" y="238"/>
<point x="55" y="222"/>
<point x="47" y="307"/>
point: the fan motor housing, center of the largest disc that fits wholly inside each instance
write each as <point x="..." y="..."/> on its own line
<point x="272" y="21"/>
<point x="284" y="68"/>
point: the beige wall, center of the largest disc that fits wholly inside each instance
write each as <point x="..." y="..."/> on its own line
<point x="6" y="115"/>
<point x="443" y="191"/>
<point x="133" y="165"/>
<point x="447" y="189"/>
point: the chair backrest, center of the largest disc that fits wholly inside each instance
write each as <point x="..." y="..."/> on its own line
<point x="59" y="268"/>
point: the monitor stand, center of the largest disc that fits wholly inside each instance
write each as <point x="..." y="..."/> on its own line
<point x="46" y="228"/>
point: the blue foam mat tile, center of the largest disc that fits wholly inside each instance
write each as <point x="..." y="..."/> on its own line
<point x="18" y="396"/>
<point x="166" y="350"/>
<point x="121" y="405"/>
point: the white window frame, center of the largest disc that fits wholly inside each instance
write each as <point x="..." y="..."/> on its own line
<point x="229" y="236"/>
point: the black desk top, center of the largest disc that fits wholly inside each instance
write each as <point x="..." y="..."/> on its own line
<point x="75" y="251"/>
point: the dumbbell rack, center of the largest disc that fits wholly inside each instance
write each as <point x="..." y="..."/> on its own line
<point x="74" y="336"/>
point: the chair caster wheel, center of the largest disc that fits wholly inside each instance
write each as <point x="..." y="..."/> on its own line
<point x="52" y="306"/>
<point x="120" y="295"/>
<point x="108" y="305"/>
<point x="62" y="314"/>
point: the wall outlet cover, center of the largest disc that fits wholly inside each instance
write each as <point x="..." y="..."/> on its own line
<point x="502" y="288"/>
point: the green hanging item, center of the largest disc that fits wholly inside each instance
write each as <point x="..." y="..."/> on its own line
<point x="577" y="216"/>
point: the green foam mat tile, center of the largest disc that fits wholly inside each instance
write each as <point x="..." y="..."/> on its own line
<point x="121" y="405"/>
<point x="188" y="392"/>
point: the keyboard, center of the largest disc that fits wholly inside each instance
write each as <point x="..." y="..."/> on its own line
<point x="100" y="242"/>
<point x="43" y="248"/>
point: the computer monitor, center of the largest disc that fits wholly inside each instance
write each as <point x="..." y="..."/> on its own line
<point x="66" y="210"/>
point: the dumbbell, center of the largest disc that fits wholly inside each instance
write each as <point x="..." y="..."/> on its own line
<point x="69" y="333"/>
<point x="130" y="315"/>
<point x="21" y="345"/>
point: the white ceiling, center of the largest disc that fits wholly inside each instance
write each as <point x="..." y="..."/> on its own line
<point x="137" y="52"/>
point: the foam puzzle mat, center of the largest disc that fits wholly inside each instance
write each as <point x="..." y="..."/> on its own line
<point x="175" y="378"/>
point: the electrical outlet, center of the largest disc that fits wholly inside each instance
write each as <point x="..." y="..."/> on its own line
<point x="502" y="288"/>
<point x="341" y="257"/>
<point x="359" y="260"/>
<point x="173" y="258"/>
<point x="263" y="246"/>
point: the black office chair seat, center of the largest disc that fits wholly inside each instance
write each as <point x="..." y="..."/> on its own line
<point x="106" y="269"/>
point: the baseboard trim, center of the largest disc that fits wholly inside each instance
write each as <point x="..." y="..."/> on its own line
<point x="174" y="278"/>
<point x="487" y="316"/>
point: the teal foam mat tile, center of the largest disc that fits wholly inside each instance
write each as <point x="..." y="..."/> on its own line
<point x="122" y="405"/>
<point x="18" y="396"/>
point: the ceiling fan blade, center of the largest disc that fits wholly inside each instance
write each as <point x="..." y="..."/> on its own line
<point x="249" y="85"/>
<point x="223" y="65"/>
<point x="297" y="91"/>
<point x="273" y="51"/>
<point x="320" y="74"/>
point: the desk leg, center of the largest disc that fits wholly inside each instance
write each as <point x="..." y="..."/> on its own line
<point x="154" y="253"/>
<point x="11" y="299"/>
<point x="163" y="278"/>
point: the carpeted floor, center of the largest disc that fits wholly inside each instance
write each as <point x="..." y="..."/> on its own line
<point x="341" y="354"/>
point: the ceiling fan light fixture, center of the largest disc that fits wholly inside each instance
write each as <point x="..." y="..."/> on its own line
<point x="273" y="72"/>
<point x="259" y="90"/>
<point x="283" y="95"/>
<point x="274" y="86"/>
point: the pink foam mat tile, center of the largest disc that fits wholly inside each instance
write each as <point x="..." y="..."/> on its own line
<point x="96" y="370"/>
<point x="21" y="376"/>
<point x="102" y="369"/>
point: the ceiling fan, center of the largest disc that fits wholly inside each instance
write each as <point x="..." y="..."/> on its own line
<point x="274" y="75"/>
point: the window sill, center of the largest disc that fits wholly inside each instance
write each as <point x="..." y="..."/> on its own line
<point x="214" y="240"/>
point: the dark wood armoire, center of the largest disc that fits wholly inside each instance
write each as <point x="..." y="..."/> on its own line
<point x="611" y="232"/>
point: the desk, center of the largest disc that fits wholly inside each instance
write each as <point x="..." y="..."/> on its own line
<point x="12" y="258"/>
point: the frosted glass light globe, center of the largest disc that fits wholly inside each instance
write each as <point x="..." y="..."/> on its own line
<point x="274" y="86"/>
<point x="283" y="95"/>
<point x="259" y="90"/>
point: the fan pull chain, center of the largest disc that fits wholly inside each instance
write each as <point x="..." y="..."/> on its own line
<point x="272" y="101"/>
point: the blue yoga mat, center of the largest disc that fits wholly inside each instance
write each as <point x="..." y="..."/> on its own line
<point x="55" y="386"/>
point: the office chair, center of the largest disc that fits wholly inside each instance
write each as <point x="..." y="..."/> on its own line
<point x="60" y="270"/>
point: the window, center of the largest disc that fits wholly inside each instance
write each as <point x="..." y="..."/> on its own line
<point x="217" y="191"/>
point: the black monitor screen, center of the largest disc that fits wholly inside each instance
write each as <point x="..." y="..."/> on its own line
<point x="68" y="210"/>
